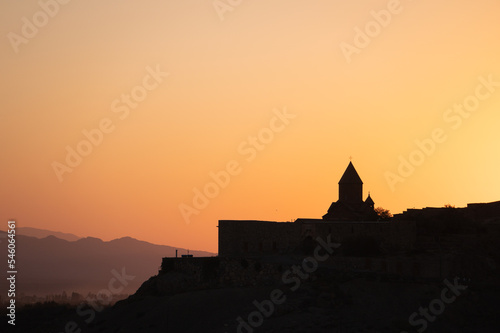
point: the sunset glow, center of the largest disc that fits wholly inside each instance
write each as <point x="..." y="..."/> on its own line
<point x="156" y="119"/>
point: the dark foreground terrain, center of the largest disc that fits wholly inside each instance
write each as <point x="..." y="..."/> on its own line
<point x="327" y="301"/>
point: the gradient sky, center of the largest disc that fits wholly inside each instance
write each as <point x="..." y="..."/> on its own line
<point x="225" y="79"/>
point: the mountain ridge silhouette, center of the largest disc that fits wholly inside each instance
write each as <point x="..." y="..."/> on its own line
<point x="51" y="265"/>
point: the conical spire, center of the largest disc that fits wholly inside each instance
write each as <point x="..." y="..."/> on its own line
<point x="350" y="176"/>
<point x="369" y="200"/>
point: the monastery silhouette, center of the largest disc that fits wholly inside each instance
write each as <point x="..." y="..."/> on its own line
<point x="348" y="218"/>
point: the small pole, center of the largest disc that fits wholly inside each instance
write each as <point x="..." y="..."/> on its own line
<point x="176" y="253"/>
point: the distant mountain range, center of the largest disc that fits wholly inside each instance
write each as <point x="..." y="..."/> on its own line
<point x="53" y="265"/>
<point x="41" y="233"/>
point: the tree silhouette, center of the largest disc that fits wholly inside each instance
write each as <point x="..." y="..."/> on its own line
<point x="383" y="214"/>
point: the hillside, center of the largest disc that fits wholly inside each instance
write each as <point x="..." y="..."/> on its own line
<point x="330" y="301"/>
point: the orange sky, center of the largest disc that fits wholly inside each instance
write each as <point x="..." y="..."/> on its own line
<point x="231" y="69"/>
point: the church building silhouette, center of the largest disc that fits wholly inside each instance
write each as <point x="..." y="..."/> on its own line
<point x="350" y="205"/>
